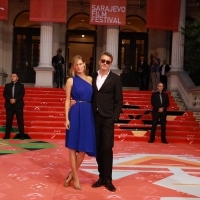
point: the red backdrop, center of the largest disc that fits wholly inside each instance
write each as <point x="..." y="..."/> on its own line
<point x="163" y="14"/>
<point x="3" y="9"/>
<point x="48" y="10"/>
<point x="108" y="12"/>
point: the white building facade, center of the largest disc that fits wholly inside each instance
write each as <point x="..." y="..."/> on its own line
<point x="27" y="47"/>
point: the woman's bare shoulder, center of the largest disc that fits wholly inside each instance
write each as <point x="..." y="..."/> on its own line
<point x="89" y="79"/>
<point x="69" y="80"/>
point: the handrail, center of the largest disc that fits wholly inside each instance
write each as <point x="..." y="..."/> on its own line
<point x="189" y="92"/>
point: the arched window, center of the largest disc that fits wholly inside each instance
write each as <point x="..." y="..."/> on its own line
<point x="80" y="22"/>
<point x="134" y="24"/>
<point x="22" y="20"/>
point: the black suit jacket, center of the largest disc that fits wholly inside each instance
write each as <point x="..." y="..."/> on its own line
<point x="144" y="67"/>
<point x="109" y="99"/>
<point x="18" y="95"/>
<point x="156" y="103"/>
<point x="167" y="68"/>
<point x="56" y="64"/>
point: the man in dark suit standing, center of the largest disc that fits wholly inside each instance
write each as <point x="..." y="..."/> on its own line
<point x="107" y="104"/>
<point x="58" y="62"/>
<point x="164" y="68"/>
<point x="160" y="103"/>
<point x="144" y="71"/>
<point x="14" y="104"/>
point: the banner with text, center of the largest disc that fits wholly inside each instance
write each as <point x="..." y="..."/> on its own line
<point x="108" y="12"/>
<point x="163" y="14"/>
<point x="48" y="10"/>
<point x="3" y="9"/>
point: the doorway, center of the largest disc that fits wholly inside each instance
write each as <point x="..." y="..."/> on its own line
<point x="26" y="52"/>
<point x="131" y="46"/>
<point x="80" y="42"/>
<point x="26" y="47"/>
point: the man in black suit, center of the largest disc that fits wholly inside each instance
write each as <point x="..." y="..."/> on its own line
<point x="107" y="104"/>
<point x="164" y="68"/>
<point x="14" y="104"/>
<point x="144" y="71"/>
<point x="58" y="62"/>
<point x="160" y="103"/>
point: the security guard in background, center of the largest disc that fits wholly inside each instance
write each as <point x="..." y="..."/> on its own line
<point x="58" y="62"/>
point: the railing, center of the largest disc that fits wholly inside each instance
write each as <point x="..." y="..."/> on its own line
<point x="189" y="93"/>
<point x="3" y="77"/>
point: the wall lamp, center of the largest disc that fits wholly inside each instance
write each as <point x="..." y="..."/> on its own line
<point x="198" y="3"/>
<point x="142" y="3"/>
<point x="82" y="2"/>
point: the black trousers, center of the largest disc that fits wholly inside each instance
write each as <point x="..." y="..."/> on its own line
<point x="163" y="80"/>
<point x="156" y="116"/>
<point x="144" y="81"/>
<point x="104" y="143"/>
<point x="9" y="119"/>
<point x="59" y="78"/>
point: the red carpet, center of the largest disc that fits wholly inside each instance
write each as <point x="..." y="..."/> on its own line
<point x="36" y="170"/>
<point x="44" y="117"/>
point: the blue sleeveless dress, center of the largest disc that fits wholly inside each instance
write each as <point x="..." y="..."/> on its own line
<point x="81" y="135"/>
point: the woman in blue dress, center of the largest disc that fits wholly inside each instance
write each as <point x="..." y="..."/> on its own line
<point x="80" y="131"/>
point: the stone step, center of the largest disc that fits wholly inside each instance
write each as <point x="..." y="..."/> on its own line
<point x="196" y="113"/>
<point x="179" y="101"/>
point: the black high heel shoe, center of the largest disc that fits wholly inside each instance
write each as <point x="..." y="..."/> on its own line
<point x="68" y="180"/>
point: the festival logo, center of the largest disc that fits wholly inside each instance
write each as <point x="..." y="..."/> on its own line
<point x="108" y="12"/>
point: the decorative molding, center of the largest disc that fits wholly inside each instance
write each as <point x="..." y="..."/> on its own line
<point x="189" y="93"/>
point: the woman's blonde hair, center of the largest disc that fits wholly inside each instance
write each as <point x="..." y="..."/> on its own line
<point x="73" y="64"/>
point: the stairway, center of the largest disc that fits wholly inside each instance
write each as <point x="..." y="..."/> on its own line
<point x="44" y="117"/>
<point x="135" y="121"/>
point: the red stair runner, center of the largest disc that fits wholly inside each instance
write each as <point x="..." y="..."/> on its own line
<point x="44" y="117"/>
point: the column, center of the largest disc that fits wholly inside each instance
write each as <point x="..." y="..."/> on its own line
<point x="112" y="42"/>
<point x="44" y="72"/>
<point x="3" y="74"/>
<point x="177" y="51"/>
<point x="178" y="42"/>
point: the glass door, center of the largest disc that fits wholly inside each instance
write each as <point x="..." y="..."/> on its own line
<point x="81" y="43"/>
<point x="26" y="52"/>
<point x="131" y="47"/>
